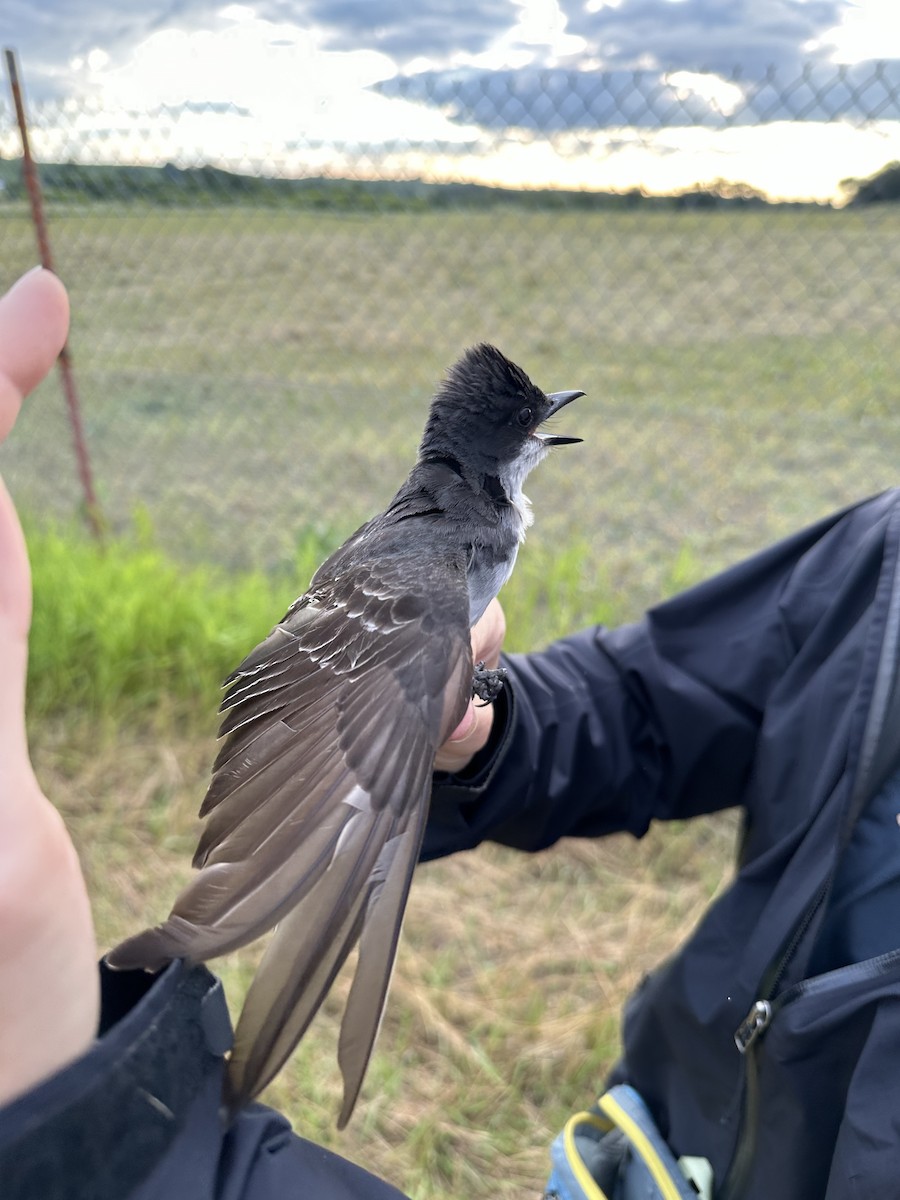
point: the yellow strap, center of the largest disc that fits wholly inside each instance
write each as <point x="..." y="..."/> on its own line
<point x="642" y="1144"/>
<point x="586" y="1181"/>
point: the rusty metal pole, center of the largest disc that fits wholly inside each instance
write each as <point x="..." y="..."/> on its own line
<point x="67" y="375"/>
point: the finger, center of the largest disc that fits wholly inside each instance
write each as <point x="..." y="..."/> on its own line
<point x="48" y="977"/>
<point x="15" y="578"/>
<point x="34" y="321"/>
<point x="34" y="316"/>
<point x="488" y="634"/>
<point x="466" y="726"/>
<point x="487" y="640"/>
<point x="470" y="736"/>
<point x="15" y="616"/>
<point x="473" y="731"/>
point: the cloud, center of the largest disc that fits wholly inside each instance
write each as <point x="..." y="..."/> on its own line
<point x="663" y="34"/>
<point x="405" y="31"/>
<point x="250" y="93"/>
<point x="562" y="99"/>
<point x="53" y="34"/>
<point x="712" y="34"/>
<point x="50" y="34"/>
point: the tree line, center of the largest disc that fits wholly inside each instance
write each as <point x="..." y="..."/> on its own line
<point x="171" y="185"/>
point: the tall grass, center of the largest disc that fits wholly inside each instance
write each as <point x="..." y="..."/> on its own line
<point x="123" y="630"/>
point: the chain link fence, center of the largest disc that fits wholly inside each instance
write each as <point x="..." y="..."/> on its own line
<point x="257" y="327"/>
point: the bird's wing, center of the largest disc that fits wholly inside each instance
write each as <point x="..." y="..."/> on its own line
<point x="317" y="805"/>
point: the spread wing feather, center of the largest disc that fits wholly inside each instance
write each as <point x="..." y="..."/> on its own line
<point x="316" y="808"/>
<point x="302" y="959"/>
<point x="381" y="928"/>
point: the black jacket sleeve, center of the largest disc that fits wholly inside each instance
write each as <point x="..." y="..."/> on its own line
<point x="138" y="1116"/>
<point x="609" y="730"/>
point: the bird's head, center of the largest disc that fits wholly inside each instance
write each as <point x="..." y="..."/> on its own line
<point x="488" y="415"/>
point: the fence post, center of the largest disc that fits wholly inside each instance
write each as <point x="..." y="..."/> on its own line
<point x="67" y="375"/>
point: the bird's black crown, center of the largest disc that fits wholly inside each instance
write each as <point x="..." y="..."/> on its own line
<point x="485" y="404"/>
<point x="485" y="377"/>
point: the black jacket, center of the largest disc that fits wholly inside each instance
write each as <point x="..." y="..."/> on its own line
<point x="137" y="1117"/>
<point x="772" y="688"/>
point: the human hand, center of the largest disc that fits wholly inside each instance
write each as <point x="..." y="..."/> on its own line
<point x="49" y="989"/>
<point x="473" y="731"/>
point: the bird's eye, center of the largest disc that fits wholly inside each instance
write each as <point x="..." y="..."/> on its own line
<point x="525" y="417"/>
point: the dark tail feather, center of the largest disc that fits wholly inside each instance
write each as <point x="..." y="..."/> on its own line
<point x="299" y="966"/>
<point x="383" y="921"/>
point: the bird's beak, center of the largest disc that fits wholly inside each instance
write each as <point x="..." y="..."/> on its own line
<point x="559" y="400"/>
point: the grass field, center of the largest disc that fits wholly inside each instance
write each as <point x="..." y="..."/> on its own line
<point x="740" y="368"/>
<point x="254" y="384"/>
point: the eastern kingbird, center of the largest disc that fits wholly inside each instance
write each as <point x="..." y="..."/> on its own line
<point x="319" y="794"/>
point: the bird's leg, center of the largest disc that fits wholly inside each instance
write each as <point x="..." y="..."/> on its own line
<point x="487" y="684"/>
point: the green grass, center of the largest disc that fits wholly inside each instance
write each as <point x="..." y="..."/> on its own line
<point x="122" y="633"/>
<point x="255" y="383"/>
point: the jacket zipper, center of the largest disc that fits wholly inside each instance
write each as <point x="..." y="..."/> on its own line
<point x="759" y="1018"/>
<point x="746" y="1039"/>
<point x="746" y="1035"/>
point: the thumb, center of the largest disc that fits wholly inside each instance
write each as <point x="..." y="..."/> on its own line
<point x="15" y="613"/>
<point x="34" y="316"/>
<point x="34" y="321"/>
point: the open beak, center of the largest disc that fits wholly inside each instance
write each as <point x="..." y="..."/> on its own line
<point x="559" y="400"/>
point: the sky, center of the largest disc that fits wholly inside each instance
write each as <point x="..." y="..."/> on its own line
<point x="790" y="96"/>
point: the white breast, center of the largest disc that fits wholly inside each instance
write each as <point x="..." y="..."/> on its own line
<point x="486" y="575"/>
<point x="485" y="581"/>
<point x="514" y="477"/>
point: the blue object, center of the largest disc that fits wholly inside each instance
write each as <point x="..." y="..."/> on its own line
<point x="615" y="1152"/>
